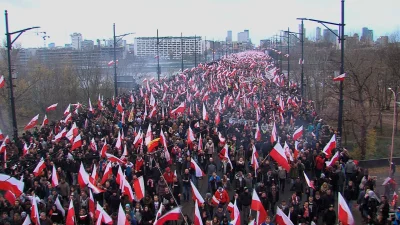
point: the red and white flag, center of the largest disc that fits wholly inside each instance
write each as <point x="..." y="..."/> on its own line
<point x="254" y="160"/>
<point x="1" y="135"/>
<point x="152" y="100"/>
<point x="217" y="118"/>
<point x="104" y="149"/>
<point x="72" y="133"/>
<point x="127" y="189"/>
<point x="178" y="110"/>
<point x="278" y="154"/>
<point x="39" y="168"/>
<point x="344" y="213"/>
<point x="257" y="133"/>
<point x="197" y="220"/>
<point x="394" y="200"/>
<point x="119" y="106"/>
<point x="114" y="159"/>
<point x="83" y="176"/>
<point x="298" y="133"/>
<point x="77" y="143"/>
<point x="67" y="110"/>
<point x="172" y="215"/>
<point x="153" y="112"/>
<point x="11" y="184"/>
<point x="196" y="194"/>
<point x="190" y="137"/>
<point x="92" y="207"/>
<point x="52" y="107"/>
<point x="100" y="103"/>
<point x="200" y="145"/>
<point x="138" y="186"/>
<point x="35" y="211"/>
<point x="131" y="99"/>
<point x="149" y="135"/>
<point x="27" y="221"/>
<point x="205" y="114"/>
<point x="93" y="145"/>
<point x="222" y="140"/>
<point x="301" y="61"/>
<point x="94" y="176"/>
<point x="281" y="218"/>
<point x="340" y="77"/>
<point x="256" y="205"/>
<point x="59" y="206"/>
<point x="45" y="121"/>
<point x="102" y="215"/>
<point x="273" y="134"/>
<point x="3" y="145"/>
<point x="2" y="81"/>
<point x="388" y="180"/>
<point x="197" y="170"/>
<point x="107" y="173"/>
<point x="10" y="197"/>
<point x="54" y="177"/>
<point x="32" y="123"/>
<point x="25" y="149"/>
<point x="138" y="139"/>
<point x="118" y="144"/>
<point x="333" y="160"/>
<point x="90" y="106"/>
<point x="330" y="146"/>
<point x="311" y="185"/>
<point x="121" y="216"/>
<point x="70" y="220"/>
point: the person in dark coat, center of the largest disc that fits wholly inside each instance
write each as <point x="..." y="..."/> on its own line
<point x="330" y="216"/>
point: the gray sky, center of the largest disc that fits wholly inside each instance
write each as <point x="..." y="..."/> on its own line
<point x="210" y="18"/>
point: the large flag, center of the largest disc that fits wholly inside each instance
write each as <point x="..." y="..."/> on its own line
<point x="197" y="170"/>
<point x="333" y="160"/>
<point x="102" y="215"/>
<point x="83" y="176"/>
<point x="32" y="123"/>
<point x="10" y="183"/>
<point x="52" y="107"/>
<point x="122" y="217"/>
<point x="39" y="168"/>
<point x="344" y="213"/>
<point x="172" y="215"/>
<point x="281" y="218"/>
<point x="152" y="145"/>
<point x="298" y="133"/>
<point x="138" y="186"/>
<point x="330" y="146"/>
<point x="10" y="197"/>
<point x="278" y="154"/>
<point x="77" y="142"/>
<point x="107" y="173"/>
<point x="256" y="205"/>
<point x="59" y="206"/>
<point x="35" y="211"/>
<point x="70" y="220"/>
<point x="197" y="220"/>
<point x="179" y="109"/>
<point x="196" y="194"/>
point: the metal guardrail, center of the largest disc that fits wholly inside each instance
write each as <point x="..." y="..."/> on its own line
<point x="373" y="163"/>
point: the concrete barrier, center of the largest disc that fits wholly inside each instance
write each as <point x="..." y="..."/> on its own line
<point x="373" y="163"/>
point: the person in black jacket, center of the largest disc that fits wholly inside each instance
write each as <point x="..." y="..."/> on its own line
<point x="186" y="178"/>
<point x="273" y="197"/>
<point x="176" y="190"/>
<point x="245" y="199"/>
<point x="330" y="216"/>
<point x="298" y="187"/>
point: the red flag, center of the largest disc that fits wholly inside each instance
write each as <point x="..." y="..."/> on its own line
<point x="179" y="109"/>
<point x="256" y="205"/>
<point x="311" y="185"/>
<point x="104" y="149"/>
<point x="281" y="218"/>
<point x="330" y="146"/>
<point x="70" y="220"/>
<point x="197" y="220"/>
<point x="273" y="134"/>
<point x="258" y="133"/>
<point x="45" y="121"/>
<point x="11" y="184"/>
<point x="32" y="123"/>
<point x="190" y="137"/>
<point x="298" y="133"/>
<point x="278" y="154"/>
<point x="172" y="215"/>
<point x="333" y="160"/>
<point x="197" y="169"/>
<point x="340" y="77"/>
<point x="122" y="217"/>
<point x="77" y="143"/>
<point x="344" y="213"/>
<point x="83" y="176"/>
<point x="107" y="173"/>
<point x="196" y="194"/>
<point x="138" y="185"/>
<point x="1" y="135"/>
<point x="35" y="212"/>
<point x="10" y="197"/>
<point x="119" y="106"/>
<point x="52" y="107"/>
<point x="39" y="168"/>
<point x="2" y="81"/>
<point x="91" y="204"/>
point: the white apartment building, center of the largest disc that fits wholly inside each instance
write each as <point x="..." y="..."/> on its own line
<point x="76" y="39"/>
<point x="168" y="46"/>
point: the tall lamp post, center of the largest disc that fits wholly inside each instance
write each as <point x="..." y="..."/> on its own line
<point x="10" y="78"/>
<point x="181" y="53"/>
<point x="394" y="129"/>
<point x="341" y="39"/>
<point x="302" y="57"/>
<point x="195" y="51"/>
<point x="115" y="57"/>
<point x="158" y="59"/>
<point x="288" y="46"/>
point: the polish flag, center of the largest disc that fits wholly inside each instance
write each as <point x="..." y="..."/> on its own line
<point x="159" y="212"/>
<point x="1" y="135"/>
<point x="344" y="213"/>
<point x="67" y="110"/>
<point x="256" y="205"/>
<point x="2" y="81"/>
<point x="394" y="200"/>
<point x="222" y="140"/>
<point x="52" y="107"/>
<point x="102" y="215"/>
<point x="340" y="77"/>
<point x="54" y="177"/>
<point x="94" y="176"/>
<point x="39" y="168"/>
<point x="3" y="145"/>
<point x="119" y="141"/>
<point x="273" y="134"/>
<point x="333" y="160"/>
<point x="198" y="171"/>
<point x="83" y="176"/>
<point x="223" y="154"/>
<point x="127" y="189"/>
<point x="93" y="145"/>
<point x="119" y="107"/>
<point x="122" y="217"/>
<point x="59" y="206"/>
<point x="330" y="146"/>
<point x="138" y="186"/>
<point x="90" y="106"/>
<point x="205" y="114"/>
<point x="77" y="143"/>
<point x="11" y="184"/>
<point x="152" y="100"/>
<point x="257" y="115"/>
<point x="111" y="63"/>
<point x="172" y="215"/>
<point x="287" y="151"/>
<point x="104" y="149"/>
<point x="196" y="194"/>
<point x="179" y="109"/>
<point x="388" y="180"/>
<point x="298" y="133"/>
<point x="27" y="221"/>
<point x="70" y="220"/>
<point x="281" y="218"/>
<point x="217" y="118"/>
<point x="205" y="97"/>
<point x="124" y="155"/>
<point x="68" y="118"/>
<point x="114" y="159"/>
<point x="45" y="121"/>
<point x="92" y="208"/>
<point x="153" y="112"/>
<point x="311" y="185"/>
<point x="10" y="197"/>
<point x="72" y="133"/>
<point x="25" y="150"/>
<point x="107" y="173"/>
<point x="149" y="135"/>
<point x="200" y="145"/>
<point x="197" y="220"/>
<point x="278" y="154"/>
<point x="258" y="133"/>
<point x="190" y="137"/>
<point x="138" y="139"/>
<point x="60" y="135"/>
<point x="99" y="103"/>
<point x="296" y="150"/>
<point x="254" y="162"/>
<point x="131" y="99"/>
<point x="35" y="212"/>
<point x="32" y="123"/>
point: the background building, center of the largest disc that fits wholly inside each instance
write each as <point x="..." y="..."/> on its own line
<point x="229" y="36"/>
<point x="318" y="36"/>
<point x="367" y="36"/>
<point x="244" y="36"/>
<point x="76" y="39"/>
<point x="169" y="47"/>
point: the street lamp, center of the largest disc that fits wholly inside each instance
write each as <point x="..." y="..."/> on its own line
<point x="181" y="53"/>
<point x="115" y="58"/>
<point x="288" y="47"/>
<point x="341" y="39"/>
<point x="10" y="78"/>
<point x="394" y="128"/>
<point x="302" y="56"/>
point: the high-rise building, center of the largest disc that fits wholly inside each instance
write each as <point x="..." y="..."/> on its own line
<point x="367" y="36"/>
<point x="334" y="39"/>
<point x="318" y="36"/>
<point x="302" y="32"/>
<point x="244" y="36"/>
<point x="87" y="45"/>
<point x="229" y="36"/>
<point x="52" y="45"/>
<point x="383" y="41"/>
<point x="76" y="39"/>
<point x="168" y="47"/>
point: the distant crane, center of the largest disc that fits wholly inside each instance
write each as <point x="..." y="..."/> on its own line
<point x="44" y="36"/>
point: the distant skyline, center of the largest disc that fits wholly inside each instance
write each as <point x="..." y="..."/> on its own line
<point x="207" y="18"/>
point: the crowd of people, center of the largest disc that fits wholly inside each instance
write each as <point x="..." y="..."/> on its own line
<point x="219" y="119"/>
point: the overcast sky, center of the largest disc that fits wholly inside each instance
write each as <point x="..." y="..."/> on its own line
<point x="207" y="18"/>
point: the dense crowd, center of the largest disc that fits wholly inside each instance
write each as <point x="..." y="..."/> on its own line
<point x="215" y="115"/>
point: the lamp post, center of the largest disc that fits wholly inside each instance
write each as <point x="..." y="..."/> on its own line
<point x="195" y="49"/>
<point x="10" y="78"/>
<point x="158" y="59"/>
<point x="302" y="56"/>
<point x="115" y="58"/>
<point x="288" y="46"/>
<point x="213" y="50"/>
<point x="394" y="129"/>
<point x="341" y="39"/>
<point x="181" y="53"/>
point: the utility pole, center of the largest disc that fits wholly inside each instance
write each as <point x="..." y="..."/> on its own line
<point x="213" y="49"/>
<point x="205" y="50"/>
<point x="181" y="53"/>
<point x="195" y="51"/>
<point x="302" y="59"/>
<point x="288" y="55"/>
<point x="115" y="64"/>
<point x="10" y="78"/>
<point x="158" y="60"/>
